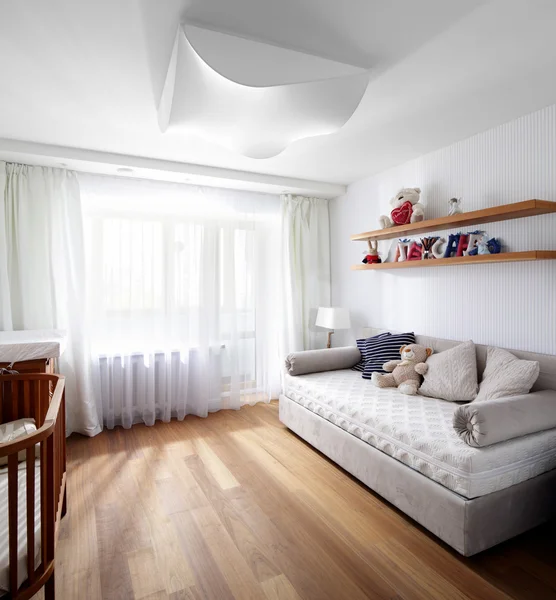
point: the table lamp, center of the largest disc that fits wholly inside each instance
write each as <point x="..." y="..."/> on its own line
<point x="332" y="318"/>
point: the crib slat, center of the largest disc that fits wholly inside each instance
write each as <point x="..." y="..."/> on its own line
<point x="12" y="519"/>
<point x="34" y="401"/>
<point x="26" y="398"/>
<point x="14" y="396"/>
<point x="44" y="514"/>
<point x="44" y="393"/>
<point x="30" y="464"/>
<point x="50" y="494"/>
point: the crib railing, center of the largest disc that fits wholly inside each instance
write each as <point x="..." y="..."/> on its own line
<point x="40" y="397"/>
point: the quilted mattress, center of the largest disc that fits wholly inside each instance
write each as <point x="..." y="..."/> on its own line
<point x="418" y="432"/>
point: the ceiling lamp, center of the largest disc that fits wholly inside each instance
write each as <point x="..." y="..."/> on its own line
<point x="233" y="102"/>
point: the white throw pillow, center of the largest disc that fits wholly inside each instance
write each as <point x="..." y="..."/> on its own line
<point x="13" y="430"/>
<point x="506" y="375"/>
<point x="452" y="374"/>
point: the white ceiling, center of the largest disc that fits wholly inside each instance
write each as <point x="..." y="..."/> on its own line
<point x="88" y="75"/>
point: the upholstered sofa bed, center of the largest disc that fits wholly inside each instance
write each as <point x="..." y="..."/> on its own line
<point x="405" y="448"/>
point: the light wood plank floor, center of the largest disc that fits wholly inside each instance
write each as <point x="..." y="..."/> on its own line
<point x="237" y="507"/>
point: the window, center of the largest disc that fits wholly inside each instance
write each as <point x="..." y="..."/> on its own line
<point x="167" y="275"/>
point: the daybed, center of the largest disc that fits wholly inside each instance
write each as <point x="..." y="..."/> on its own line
<point x="32" y="485"/>
<point x="406" y="449"/>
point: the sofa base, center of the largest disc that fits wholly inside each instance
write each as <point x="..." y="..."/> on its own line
<point x="469" y="526"/>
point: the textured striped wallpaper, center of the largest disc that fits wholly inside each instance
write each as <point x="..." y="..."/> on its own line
<point x="512" y="305"/>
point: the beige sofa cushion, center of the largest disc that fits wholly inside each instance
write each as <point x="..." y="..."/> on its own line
<point x="452" y="374"/>
<point x="485" y="423"/>
<point x="506" y="375"/>
<point x="317" y="361"/>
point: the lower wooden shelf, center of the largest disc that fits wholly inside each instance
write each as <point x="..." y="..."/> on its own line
<point x="462" y="260"/>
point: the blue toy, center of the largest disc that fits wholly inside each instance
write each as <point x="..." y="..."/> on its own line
<point x="494" y="246"/>
<point x="452" y="245"/>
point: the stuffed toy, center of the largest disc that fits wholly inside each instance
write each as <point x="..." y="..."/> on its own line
<point x="406" y="208"/>
<point x="494" y="246"/>
<point x="474" y="237"/>
<point x="485" y="246"/>
<point x="405" y="374"/>
<point x="401" y="250"/>
<point x="428" y="243"/>
<point x="452" y="245"/>
<point x="415" y="251"/>
<point x="482" y="246"/>
<point x="439" y="247"/>
<point x="371" y="256"/>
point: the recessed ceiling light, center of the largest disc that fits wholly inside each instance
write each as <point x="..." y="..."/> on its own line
<point x="124" y="170"/>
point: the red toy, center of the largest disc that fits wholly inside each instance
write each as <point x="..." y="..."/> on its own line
<point x="415" y="251"/>
<point x="402" y="215"/>
<point x="372" y="256"/>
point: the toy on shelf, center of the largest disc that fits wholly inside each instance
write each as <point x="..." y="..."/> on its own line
<point x="401" y="251"/>
<point x="462" y="245"/>
<point x="454" y="207"/>
<point x="486" y="246"/>
<point x="428" y="243"/>
<point x="372" y="255"/>
<point x="472" y="240"/>
<point x="415" y="251"/>
<point x="457" y="245"/>
<point x="406" y="209"/>
<point x="439" y="247"/>
<point x="494" y="246"/>
<point x="452" y="245"/>
<point x="482" y="246"/>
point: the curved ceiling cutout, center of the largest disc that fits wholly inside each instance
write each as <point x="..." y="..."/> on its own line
<point x="257" y="64"/>
<point x="244" y="111"/>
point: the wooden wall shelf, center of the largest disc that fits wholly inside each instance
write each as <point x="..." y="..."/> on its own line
<point x="461" y="260"/>
<point x="505" y="212"/>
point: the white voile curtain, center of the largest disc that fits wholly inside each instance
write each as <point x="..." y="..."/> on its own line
<point x="42" y="266"/>
<point x="184" y="313"/>
<point x="305" y="269"/>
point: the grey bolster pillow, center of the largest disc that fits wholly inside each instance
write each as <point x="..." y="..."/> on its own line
<point x="316" y="361"/>
<point x="492" y="421"/>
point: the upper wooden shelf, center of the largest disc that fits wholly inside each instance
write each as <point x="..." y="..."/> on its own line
<point x="506" y="212"/>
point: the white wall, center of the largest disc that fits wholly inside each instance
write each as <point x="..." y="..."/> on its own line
<point x="512" y="305"/>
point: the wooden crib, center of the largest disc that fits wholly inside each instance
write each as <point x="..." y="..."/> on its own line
<point x="36" y="483"/>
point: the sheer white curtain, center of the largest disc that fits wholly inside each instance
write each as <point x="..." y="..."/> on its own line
<point x="42" y="268"/>
<point x="184" y="314"/>
<point x="305" y="269"/>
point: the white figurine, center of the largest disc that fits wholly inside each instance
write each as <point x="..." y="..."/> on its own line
<point x="454" y="206"/>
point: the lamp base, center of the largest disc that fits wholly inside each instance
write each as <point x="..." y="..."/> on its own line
<point x="329" y="343"/>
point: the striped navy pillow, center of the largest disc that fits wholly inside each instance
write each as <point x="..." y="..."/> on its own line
<point x="365" y="345"/>
<point x="384" y="350"/>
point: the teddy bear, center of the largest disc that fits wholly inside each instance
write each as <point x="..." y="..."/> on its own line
<point x="406" y="208"/>
<point x="405" y="374"/>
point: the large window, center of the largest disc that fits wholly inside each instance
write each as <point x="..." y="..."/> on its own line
<point x="172" y="271"/>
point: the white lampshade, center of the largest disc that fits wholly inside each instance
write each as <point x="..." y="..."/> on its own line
<point x="333" y="318"/>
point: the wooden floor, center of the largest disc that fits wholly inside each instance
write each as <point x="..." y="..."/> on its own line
<point x="236" y="506"/>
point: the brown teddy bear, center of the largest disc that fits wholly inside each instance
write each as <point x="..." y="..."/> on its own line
<point x="405" y="374"/>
